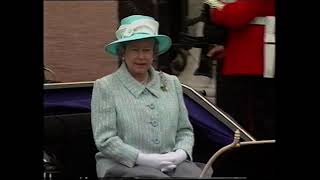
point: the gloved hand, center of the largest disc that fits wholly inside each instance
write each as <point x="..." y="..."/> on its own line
<point x="215" y="4"/>
<point x="169" y="167"/>
<point x="154" y="160"/>
<point x="175" y="157"/>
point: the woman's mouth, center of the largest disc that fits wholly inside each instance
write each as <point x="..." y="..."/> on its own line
<point x="140" y="64"/>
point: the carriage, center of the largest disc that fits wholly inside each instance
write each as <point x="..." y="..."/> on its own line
<point x="220" y="141"/>
<point x="69" y="149"/>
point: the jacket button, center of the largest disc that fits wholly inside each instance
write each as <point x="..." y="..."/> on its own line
<point x="156" y="141"/>
<point x="154" y="123"/>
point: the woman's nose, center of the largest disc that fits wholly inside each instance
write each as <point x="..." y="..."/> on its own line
<point x="140" y="54"/>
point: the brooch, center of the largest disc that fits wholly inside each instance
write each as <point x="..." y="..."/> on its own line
<point x="163" y="82"/>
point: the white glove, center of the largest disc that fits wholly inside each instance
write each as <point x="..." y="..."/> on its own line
<point x="155" y="161"/>
<point x="168" y="167"/>
<point x="215" y="4"/>
<point x="175" y="157"/>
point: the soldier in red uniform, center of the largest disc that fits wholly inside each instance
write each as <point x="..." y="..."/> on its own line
<point x="245" y="82"/>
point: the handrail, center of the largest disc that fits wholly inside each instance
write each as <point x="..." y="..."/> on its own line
<point x="222" y="150"/>
<point x="230" y="146"/>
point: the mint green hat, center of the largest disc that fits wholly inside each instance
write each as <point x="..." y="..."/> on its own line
<point x="138" y="27"/>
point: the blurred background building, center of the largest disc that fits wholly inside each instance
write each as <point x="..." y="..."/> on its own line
<point x="75" y="32"/>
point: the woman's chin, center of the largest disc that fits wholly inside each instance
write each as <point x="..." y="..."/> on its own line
<point x="141" y="69"/>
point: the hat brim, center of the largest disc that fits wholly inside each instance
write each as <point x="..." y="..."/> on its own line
<point x="164" y="43"/>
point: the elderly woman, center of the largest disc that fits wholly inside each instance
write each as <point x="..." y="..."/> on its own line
<point x="139" y="119"/>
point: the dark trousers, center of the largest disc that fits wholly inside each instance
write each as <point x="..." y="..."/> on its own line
<point x="186" y="169"/>
<point x="250" y="100"/>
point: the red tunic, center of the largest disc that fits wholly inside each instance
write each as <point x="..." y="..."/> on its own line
<point x="245" y="42"/>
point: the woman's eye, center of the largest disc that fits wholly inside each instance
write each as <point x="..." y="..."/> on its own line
<point x="146" y="50"/>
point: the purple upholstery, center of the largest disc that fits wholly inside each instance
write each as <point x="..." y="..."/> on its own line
<point x="68" y="100"/>
<point x="215" y="130"/>
<point x="77" y="100"/>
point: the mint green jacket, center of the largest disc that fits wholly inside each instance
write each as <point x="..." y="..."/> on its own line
<point x="128" y="117"/>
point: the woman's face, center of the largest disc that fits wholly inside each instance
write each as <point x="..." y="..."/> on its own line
<point x="139" y="56"/>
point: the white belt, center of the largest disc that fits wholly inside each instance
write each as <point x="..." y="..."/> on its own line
<point x="269" y="47"/>
<point x="259" y="21"/>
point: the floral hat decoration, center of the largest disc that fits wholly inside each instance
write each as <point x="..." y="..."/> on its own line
<point x="136" y="27"/>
